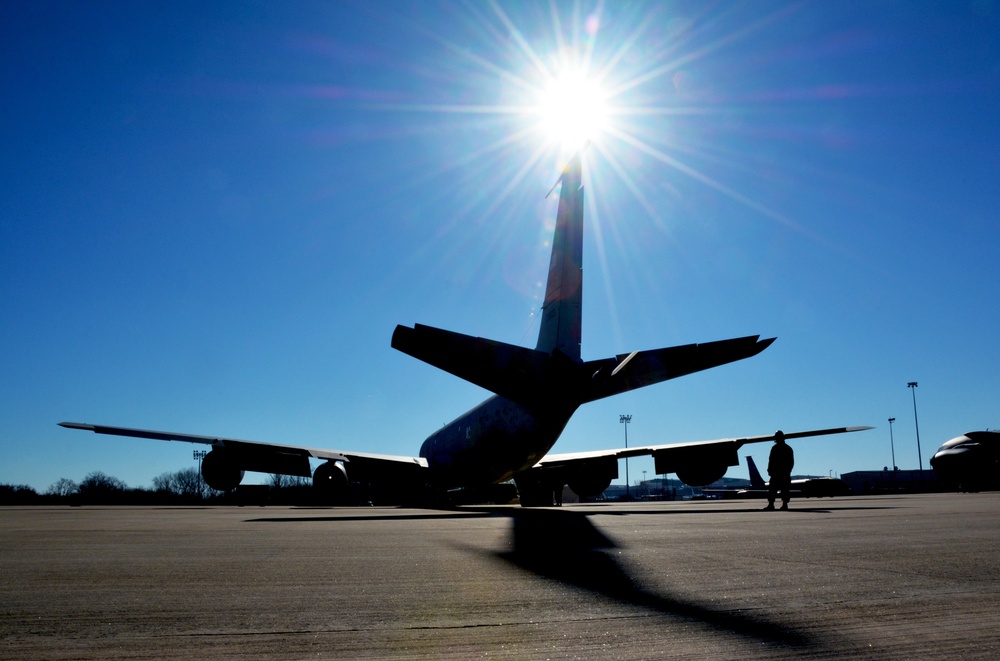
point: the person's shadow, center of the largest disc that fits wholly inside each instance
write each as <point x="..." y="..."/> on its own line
<point x="564" y="546"/>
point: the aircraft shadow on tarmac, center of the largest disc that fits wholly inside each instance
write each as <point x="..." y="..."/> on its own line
<point x="616" y="509"/>
<point x="408" y="515"/>
<point x="564" y="546"/>
<point x="703" y="511"/>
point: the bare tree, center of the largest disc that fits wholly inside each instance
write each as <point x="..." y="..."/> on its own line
<point x="185" y="482"/>
<point x="164" y="482"/>
<point x="17" y="494"/>
<point x="100" y="488"/>
<point x="63" y="488"/>
<point x="188" y="482"/>
<point x="279" y="481"/>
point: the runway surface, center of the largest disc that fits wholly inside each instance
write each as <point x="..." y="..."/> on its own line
<point x="891" y="577"/>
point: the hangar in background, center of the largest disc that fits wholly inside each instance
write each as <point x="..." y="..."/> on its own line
<point x="887" y="481"/>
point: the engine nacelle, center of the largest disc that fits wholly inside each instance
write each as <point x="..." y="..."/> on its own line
<point x="589" y="486"/>
<point x="700" y="475"/>
<point x="697" y="466"/>
<point x="330" y="483"/>
<point x="592" y="478"/>
<point x="220" y="470"/>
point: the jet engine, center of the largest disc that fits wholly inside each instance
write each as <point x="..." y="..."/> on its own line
<point x="697" y="466"/>
<point x="592" y="478"/>
<point x="700" y="475"/>
<point x="330" y="482"/>
<point x="588" y="486"/>
<point x="221" y="471"/>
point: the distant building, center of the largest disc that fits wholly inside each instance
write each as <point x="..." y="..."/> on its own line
<point x="660" y="488"/>
<point x="886" y="481"/>
<point x="729" y="483"/>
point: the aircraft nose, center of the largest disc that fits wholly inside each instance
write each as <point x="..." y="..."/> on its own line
<point x="948" y="462"/>
<point x="952" y="452"/>
<point x="944" y="457"/>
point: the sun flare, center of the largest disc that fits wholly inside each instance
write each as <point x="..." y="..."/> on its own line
<point x="572" y="110"/>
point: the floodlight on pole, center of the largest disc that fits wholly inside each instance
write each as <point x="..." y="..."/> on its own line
<point x="198" y="456"/>
<point x="892" y="446"/>
<point x="912" y="385"/>
<point x="625" y="419"/>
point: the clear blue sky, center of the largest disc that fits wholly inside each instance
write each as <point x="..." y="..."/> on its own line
<point x="213" y="215"/>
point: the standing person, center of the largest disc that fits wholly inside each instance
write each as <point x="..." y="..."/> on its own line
<point x="779" y="468"/>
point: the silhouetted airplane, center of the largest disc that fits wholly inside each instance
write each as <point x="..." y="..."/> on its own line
<point x="970" y="462"/>
<point x="536" y="392"/>
<point x="805" y="487"/>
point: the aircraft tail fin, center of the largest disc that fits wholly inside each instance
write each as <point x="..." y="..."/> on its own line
<point x="519" y="374"/>
<point x="554" y="370"/>
<point x="756" y="481"/>
<point x="562" y="309"/>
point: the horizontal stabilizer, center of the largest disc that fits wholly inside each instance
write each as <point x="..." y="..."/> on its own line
<point x="625" y="372"/>
<point x="519" y="374"/>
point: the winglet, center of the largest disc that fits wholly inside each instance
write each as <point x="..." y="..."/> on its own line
<point x="76" y="425"/>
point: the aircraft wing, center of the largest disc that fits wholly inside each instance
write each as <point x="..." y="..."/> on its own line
<point x="692" y="459"/>
<point x="563" y="459"/>
<point x="271" y="457"/>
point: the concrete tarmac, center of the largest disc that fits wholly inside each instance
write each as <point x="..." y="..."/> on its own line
<point x="893" y="577"/>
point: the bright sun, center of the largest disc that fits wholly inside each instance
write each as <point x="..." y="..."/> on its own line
<point x="572" y="110"/>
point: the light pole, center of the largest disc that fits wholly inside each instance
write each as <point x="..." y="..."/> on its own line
<point x="912" y="385"/>
<point x="892" y="446"/>
<point x="198" y="456"/>
<point x="625" y="419"/>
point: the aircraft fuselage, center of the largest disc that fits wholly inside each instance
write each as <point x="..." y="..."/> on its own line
<point x="492" y="442"/>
